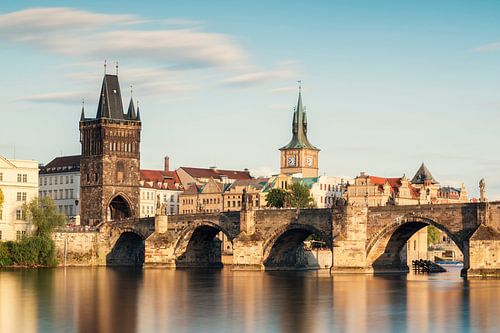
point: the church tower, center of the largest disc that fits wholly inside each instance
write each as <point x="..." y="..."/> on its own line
<point x="299" y="156"/>
<point x="110" y="162"/>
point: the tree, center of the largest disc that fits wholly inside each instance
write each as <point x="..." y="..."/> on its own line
<point x="276" y="198"/>
<point x="299" y="196"/>
<point x="432" y="235"/>
<point x="1" y="198"/>
<point x="44" y="216"/>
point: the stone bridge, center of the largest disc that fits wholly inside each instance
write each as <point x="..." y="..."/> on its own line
<point x="361" y="239"/>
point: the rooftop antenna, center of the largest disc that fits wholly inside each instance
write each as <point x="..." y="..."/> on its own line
<point x="105" y="65"/>
<point x="116" y="68"/>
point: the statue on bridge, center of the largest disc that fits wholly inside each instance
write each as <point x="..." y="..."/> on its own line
<point x="482" y="191"/>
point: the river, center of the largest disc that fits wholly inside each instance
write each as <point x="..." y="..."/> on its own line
<point x="161" y="300"/>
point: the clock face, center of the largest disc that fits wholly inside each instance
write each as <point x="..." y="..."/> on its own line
<point x="309" y="160"/>
<point x="290" y="161"/>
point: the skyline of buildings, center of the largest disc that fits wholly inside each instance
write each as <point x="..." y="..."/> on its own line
<point x="383" y="97"/>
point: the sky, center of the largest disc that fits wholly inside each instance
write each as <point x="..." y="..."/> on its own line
<point x="387" y="85"/>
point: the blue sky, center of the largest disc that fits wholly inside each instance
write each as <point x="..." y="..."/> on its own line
<point x="387" y="84"/>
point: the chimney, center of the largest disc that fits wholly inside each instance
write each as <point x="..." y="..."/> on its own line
<point x="167" y="164"/>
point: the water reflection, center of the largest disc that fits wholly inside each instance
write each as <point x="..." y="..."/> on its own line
<point x="158" y="300"/>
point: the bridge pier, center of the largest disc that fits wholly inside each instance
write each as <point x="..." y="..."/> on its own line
<point x="349" y="240"/>
<point x="484" y="253"/>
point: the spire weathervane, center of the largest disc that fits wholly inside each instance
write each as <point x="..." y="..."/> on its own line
<point x="300" y="85"/>
<point x="131" y="91"/>
<point x="116" y="68"/>
<point x="105" y="65"/>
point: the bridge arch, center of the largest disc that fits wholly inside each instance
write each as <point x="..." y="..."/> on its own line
<point x="119" y="207"/>
<point x="198" y="245"/>
<point x="127" y="249"/>
<point x="283" y="249"/>
<point x="383" y="250"/>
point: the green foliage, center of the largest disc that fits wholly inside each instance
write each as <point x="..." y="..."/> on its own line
<point x="299" y="196"/>
<point x="5" y="259"/>
<point x="44" y="216"/>
<point x="30" y="251"/>
<point x="433" y="234"/>
<point x="276" y="198"/>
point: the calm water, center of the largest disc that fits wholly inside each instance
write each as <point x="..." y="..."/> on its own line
<point x="156" y="300"/>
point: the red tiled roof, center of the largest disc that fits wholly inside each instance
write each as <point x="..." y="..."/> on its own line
<point x="160" y="179"/>
<point x="394" y="183"/>
<point x="216" y="173"/>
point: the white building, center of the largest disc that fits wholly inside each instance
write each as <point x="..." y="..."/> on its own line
<point x="324" y="189"/>
<point x="162" y="185"/>
<point x="19" y="184"/>
<point x="60" y="180"/>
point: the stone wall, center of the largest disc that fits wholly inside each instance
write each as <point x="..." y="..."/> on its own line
<point x="81" y="248"/>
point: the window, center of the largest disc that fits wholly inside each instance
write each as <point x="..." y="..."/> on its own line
<point x="61" y="179"/>
<point x="61" y="194"/>
<point x="1" y="176"/>
<point x="19" y="196"/>
<point x="50" y="180"/>
<point x="66" y="195"/>
<point x="24" y="196"/>
<point x="44" y="180"/>
<point x="56" y="180"/>
<point x="71" y="179"/>
<point x="1" y="216"/>
<point x="71" y="193"/>
<point x="20" y="216"/>
<point x="25" y="178"/>
<point x="0" y="234"/>
<point x="67" y="179"/>
<point x="19" y="178"/>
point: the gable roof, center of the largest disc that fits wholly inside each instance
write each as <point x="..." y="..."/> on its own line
<point x="423" y="174"/>
<point x="216" y="173"/>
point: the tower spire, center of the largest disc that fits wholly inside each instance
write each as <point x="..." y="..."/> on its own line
<point x="116" y="68"/>
<point x="105" y="67"/>
<point x="82" y="116"/>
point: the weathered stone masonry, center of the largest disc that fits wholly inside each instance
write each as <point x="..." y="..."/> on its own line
<point x="363" y="240"/>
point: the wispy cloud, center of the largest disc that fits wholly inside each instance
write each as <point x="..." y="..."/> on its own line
<point x="71" y="97"/>
<point x="488" y="47"/>
<point x="107" y="36"/>
<point x="249" y="79"/>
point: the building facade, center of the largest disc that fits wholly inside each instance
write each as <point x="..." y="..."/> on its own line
<point x="325" y="189"/>
<point x="299" y="156"/>
<point x="60" y="180"/>
<point x="110" y="161"/>
<point x="160" y="189"/>
<point x="19" y="184"/>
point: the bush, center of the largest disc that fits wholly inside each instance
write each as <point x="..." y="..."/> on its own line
<point x="30" y="251"/>
<point x="5" y="259"/>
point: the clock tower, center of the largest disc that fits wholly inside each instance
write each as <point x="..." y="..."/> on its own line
<point x="299" y="156"/>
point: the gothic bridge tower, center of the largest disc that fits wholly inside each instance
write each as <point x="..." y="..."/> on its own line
<point x="110" y="162"/>
<point x="299" y="156"/>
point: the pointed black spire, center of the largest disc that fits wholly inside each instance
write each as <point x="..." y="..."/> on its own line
<point x="138" y="118"/>
<point x="110" y="101"/>
<point x="131" y="115"/>
<point x="423" y="175"/>
<point x="82" y="116"/>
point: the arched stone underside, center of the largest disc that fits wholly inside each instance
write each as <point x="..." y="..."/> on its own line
<point x="128" y="250"/>
<point x="198" y="247"/>
<point x="383" y="252"/>
<point x="284" y="250"/>
<point x="119" y="208"/>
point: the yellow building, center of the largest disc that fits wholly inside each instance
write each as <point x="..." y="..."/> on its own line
<point x="206" y="198"/>
<point x="299" y="156"/>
